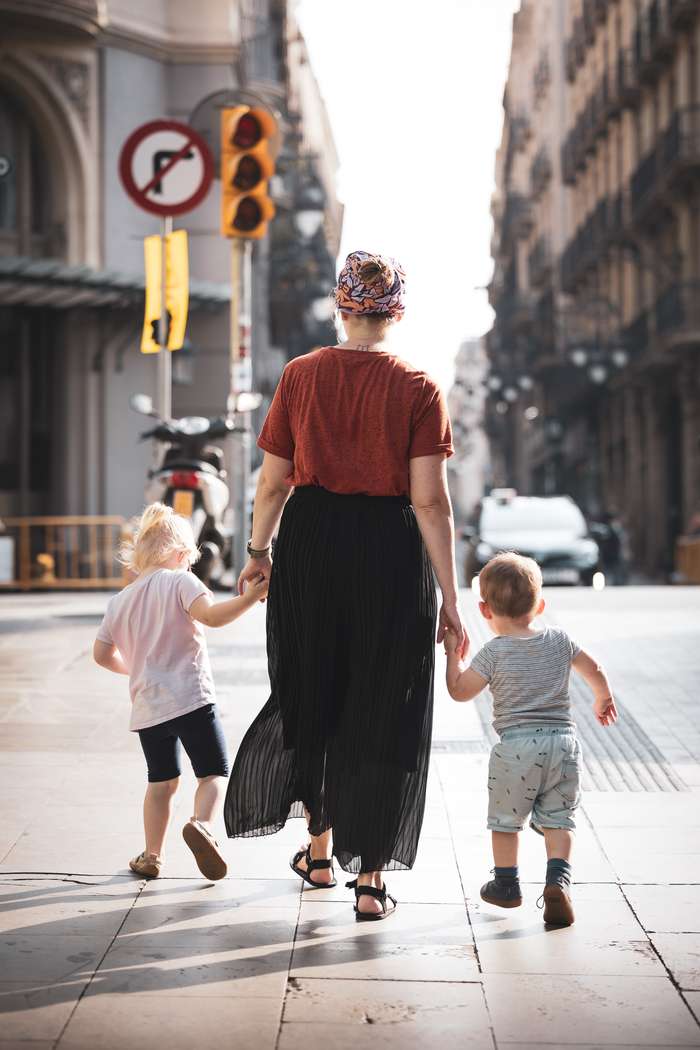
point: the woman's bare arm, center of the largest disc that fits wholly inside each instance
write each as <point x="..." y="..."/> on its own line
<point x="431" y="502"/>
<point x="272" y="493"/>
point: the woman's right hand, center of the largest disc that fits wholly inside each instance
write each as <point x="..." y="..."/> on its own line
<point x="253" y="570"/>
<point x="451" y="620"/>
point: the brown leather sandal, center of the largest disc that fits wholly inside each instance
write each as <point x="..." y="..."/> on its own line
<point x="207" y="854"/>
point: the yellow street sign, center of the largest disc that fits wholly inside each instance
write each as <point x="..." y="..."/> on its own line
<point x="176" y="290"/>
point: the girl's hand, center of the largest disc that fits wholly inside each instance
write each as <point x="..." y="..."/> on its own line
<point x="605" y="711"/>
<point x="257" y="590"/>
<point x="252" y="570"/>
<point x="451" y="620"/>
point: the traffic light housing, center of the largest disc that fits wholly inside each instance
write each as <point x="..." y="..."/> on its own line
<point x="247" y="165"/>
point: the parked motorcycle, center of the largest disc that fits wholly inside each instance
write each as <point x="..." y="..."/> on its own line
<point x="190" y="477"/>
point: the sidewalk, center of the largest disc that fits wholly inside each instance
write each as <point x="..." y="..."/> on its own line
<point x="93" y="958"/>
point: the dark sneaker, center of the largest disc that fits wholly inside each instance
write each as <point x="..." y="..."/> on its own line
<point x="558" y="909"/>
<point x="502" y="894"/>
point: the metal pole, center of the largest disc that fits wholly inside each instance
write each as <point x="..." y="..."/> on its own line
<point x="240" y="439"/>
<point x="164" y="401"/>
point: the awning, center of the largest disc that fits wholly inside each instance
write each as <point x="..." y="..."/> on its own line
<point x="50" y="283"/>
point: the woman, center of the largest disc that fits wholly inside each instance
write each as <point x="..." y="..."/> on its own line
<point x="345" y="736"/>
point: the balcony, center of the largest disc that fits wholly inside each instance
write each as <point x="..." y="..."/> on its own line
<point x="654" y="40"/>
<point x="626" y="86"/>
<point x="683" y="13"/>
<point x="518" y="218"/>
<point x="636" y="336"/>
<point x="540" y="172"/>
<point x="678" y="315"/>
<point x="539" y="263"/>
<point x="601" y="11"/>
<point x="516" y="312"/>
<point x="681" y="148"/>
<point x="601" y="107"/>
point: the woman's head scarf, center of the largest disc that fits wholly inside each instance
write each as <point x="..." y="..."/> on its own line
<point x="383" y="293"/>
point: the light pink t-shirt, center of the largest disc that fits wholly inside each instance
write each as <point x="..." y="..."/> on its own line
<point x="163" y="647"/>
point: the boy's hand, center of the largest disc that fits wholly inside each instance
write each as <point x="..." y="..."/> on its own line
<point x="451" y="641"/>
<point x="605" y="711"/>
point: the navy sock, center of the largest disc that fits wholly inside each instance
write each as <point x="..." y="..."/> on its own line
<point x="506" y="874"/>
<point x="558" y="872"/>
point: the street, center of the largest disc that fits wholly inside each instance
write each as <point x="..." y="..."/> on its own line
<point x="94" y="957"/>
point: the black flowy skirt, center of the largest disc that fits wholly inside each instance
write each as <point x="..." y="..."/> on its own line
<point x="351" y="622"/>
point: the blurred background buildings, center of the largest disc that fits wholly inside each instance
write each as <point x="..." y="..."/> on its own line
<point x="594" y="388"/>
<point x="76" y="77"/>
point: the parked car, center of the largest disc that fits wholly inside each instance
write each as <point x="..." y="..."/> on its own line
<point x="550" y="529"/>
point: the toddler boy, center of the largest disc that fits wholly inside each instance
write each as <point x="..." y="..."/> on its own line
<point x="535" y="768"/>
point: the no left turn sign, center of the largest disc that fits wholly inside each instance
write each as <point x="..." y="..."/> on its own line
<point x="166" y="167"/>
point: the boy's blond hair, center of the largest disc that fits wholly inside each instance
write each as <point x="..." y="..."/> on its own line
<point x="158" y="533"/>
<point x="511" y="585"/>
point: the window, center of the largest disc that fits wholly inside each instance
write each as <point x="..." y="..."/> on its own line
<point x="25" y="193"/>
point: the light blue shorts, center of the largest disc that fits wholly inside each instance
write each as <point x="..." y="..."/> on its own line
<point x="534" y="770"/>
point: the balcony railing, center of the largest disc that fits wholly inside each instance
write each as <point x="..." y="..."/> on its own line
<point x="683" y="13"/>
<point x="625" y="85"/>
<point x="678" y="312"/>
<point x="589" y="20"/>
<point x="654" y="39"/>
<point x="636" y="335"/>
<point x="540" y="172"/>
<point x="518" y="218"/>
<point x="671" y="166"/>
<point x="539" y="263"/>
<point x="681" y="145"/>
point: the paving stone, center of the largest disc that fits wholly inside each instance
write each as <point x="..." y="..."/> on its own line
<point x="116" y="1022"/>
<point x="681" y="953"/>
<point x="219" y="926"/>
<point x="605" y="939"/>
<point x="419" y="942"/>
<point x="35" y="1012"/>
<point x="363" y="1014"/>
<point x="49" y="908"/>
<point x="637" y="1011"/>
<point x="666" y="909"/>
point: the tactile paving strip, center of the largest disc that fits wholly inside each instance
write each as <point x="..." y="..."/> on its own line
<point x="624" y="760"/>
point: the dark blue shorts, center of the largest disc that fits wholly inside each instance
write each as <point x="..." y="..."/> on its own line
<point x="201" y="734"/>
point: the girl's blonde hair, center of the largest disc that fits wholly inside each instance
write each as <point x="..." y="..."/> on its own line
<point x="158" y="534"/>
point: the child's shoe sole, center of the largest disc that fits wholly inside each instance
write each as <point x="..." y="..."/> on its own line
<point x="206" y="851"/>
<point x="558" y="909"/>
<point x="500" y="903"/>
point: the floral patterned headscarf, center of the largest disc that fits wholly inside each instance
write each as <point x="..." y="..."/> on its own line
<point x="382" y="294"/>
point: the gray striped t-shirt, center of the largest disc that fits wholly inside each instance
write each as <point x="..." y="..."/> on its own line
<point x="528" y="678"/>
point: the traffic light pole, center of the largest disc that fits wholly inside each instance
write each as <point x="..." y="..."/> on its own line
<point x="241" y="438"/>
<point x="164" y="399"/>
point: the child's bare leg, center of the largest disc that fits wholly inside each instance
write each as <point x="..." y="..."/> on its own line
<point x="209" y="798"/>
<point x="558" y="843"/>
<point x="505" y="848"/>
<point x="157" y="810"/>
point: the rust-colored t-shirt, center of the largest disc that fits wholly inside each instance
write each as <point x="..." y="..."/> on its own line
<point x="350" y="421"/>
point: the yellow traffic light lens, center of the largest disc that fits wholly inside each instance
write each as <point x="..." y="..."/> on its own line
<point x="248" y="215"/>
<point x="248" y="132"/>
<point x="248" y="174"/>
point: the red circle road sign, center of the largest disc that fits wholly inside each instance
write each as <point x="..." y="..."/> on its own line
<point x="166" y="167"/>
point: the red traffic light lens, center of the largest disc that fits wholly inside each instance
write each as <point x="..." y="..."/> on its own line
<point x="248" y="132"/>
<point x="248" y="215"/>
<point x="248" y="174"/>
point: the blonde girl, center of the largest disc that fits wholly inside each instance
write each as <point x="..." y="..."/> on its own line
<point x="152" y="632"/>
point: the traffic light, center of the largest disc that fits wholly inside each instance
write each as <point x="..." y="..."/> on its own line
<point x="247" y="165"/>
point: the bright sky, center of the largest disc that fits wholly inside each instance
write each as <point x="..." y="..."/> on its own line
<point x="395" y="74"/>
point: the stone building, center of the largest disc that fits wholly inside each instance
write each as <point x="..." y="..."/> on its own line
<point x="76" y="77"/>
<point x="597" y="266"/>
<point x="468" y="471"/>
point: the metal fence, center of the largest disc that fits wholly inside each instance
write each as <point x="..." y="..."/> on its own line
<point x="75" y="552"/>
<point x="688" y="558"/>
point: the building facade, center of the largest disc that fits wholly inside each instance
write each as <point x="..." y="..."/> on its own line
<point x="597" y="263"/>
<point x="469" y="470"/>
<point x="76" y="78"/>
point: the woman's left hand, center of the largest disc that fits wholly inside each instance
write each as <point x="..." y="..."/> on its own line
<point x="253" y="570"/>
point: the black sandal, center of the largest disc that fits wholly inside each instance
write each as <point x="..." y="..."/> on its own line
<point x="312" y="865"/>
<point x="380" y="895"/>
